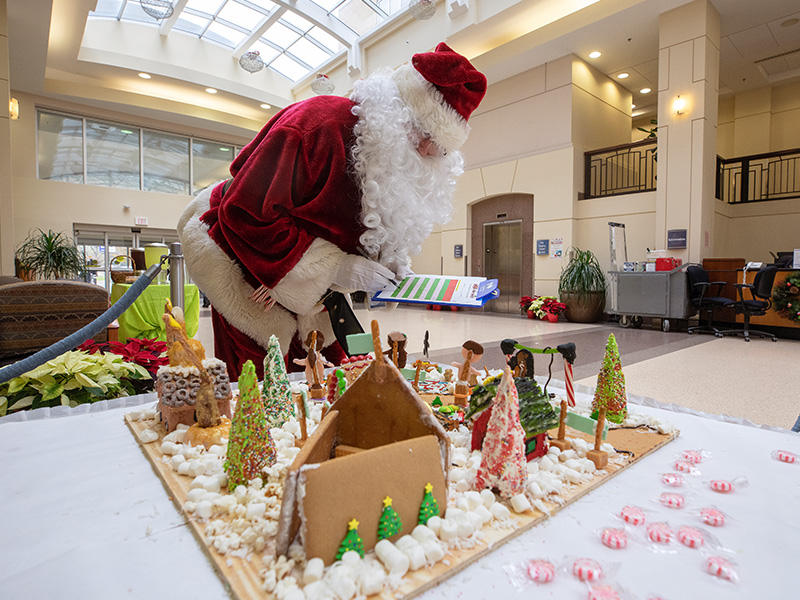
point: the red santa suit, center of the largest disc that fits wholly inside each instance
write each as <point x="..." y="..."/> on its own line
<point x="267" y="249"/>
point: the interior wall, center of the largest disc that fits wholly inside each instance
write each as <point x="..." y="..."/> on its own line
<point x="57" y="205"/>
<point x="755" y="229"/>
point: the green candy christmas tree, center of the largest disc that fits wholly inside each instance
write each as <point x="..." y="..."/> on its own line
<point x="389" y="523"/>
<point x="250" y="446"/>
<point x="278" y="404"/>
<point x="610" y="390"/>
<point x="352" y="541"/>
<point x="429" y="507"/>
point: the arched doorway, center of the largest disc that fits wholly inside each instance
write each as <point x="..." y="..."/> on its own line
<point x="502" y="247"/>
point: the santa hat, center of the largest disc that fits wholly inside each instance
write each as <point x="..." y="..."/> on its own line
<point x="443" y="89"/>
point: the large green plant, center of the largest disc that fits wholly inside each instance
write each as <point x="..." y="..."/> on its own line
<point x="50" y="255"/>
<point x="582" y="275"/>
<point x="71" y="379"/>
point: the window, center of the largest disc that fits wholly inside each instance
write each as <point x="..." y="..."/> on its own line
<point x="127" y="157"/>
<point x="60" y="151"/>
<point x="112" y="155"/>
<point x="211" y="162"/>
<point x="166" y="163"/>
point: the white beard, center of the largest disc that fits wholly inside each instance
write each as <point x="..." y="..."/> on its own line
<point x="403" y="194"/>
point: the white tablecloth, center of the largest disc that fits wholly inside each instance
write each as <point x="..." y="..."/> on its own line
<point x="84" y="515"/>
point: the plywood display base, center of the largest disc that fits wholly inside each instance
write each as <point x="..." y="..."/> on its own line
<point x="243" y="575"/>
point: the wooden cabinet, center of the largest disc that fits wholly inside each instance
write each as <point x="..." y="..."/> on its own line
<point x="728" y="270"/>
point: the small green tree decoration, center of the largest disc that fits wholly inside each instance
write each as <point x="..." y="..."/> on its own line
<point x="352" y="541"/>
<point x="610" y="390"/>
<point x="429" y="507"/>
<point x="250" y="445"/>
<point x="278" y="404"/>
<point x="389" y="523"/>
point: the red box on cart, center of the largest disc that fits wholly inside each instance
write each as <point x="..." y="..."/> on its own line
<point x="667" y="264"/>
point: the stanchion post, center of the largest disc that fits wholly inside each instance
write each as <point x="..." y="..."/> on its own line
<point x="176" y="279"/>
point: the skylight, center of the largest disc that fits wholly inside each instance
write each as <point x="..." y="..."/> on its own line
<point x="302" y="35"/>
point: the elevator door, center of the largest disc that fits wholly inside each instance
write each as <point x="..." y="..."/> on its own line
<point x="502" y="243"/>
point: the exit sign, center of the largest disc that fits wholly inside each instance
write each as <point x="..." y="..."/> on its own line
<point x="141" y="221"/>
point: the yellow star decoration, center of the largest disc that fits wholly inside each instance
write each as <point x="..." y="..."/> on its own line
<point x="352" y="525"/>
<point x="428" y="488"/>
<point x="387" y="502"/>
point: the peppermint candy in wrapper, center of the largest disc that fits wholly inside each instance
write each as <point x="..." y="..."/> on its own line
<point x="541" y="571"/>
<point x="712" y="516"/>
<point x="722" y="568"/>
<point x="692" y="456"/>
<point x="684" y="466"/>
<point x="672" y="479"/>
<point x="632" y="514"/>
<point x="691" y="537"/>
<point x="587" y="569"/>
<point x="659" y="533"/>
<point x="721" y="485"/>
<point x="603" y="592"/>
<point x="614" y="538"/>
<point x="671" y="500"/>
<point x="784" y="456"/>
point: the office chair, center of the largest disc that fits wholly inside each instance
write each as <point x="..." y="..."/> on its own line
<point x="759" y="303"/>
<point x="703" y="300"/>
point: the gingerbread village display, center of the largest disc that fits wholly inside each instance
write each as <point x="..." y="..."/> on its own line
<point x="356" y="484"/>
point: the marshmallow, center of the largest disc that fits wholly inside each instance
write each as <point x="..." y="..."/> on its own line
<point x="176" y="461"/>
<point x="183" y="468"/>
<point x="196" y="494"/>
<point x="411" y="548"/>
<point x="499" y="511"/>
<point x="169" y="448"/>
<point x="448" y="529"/>
<point x="256" y="510"/>
<point x="372" y="580"/>
<point x="520" y="503"/>
<point x="488" y="498"/>
<point x="474" y="500"/>
<point x="434" y="523"/>
<point x="393" y="559"/>
<point x="177" y="436"/>
<point x="433" y="551"/>
<point x="423" y="533"/>
<point x="203" y="509"/>
<point x="147" y="436"/>
<point x="484" y="514"/>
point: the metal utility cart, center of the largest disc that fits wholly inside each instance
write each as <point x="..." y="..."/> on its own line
<point x="659" y="294"/>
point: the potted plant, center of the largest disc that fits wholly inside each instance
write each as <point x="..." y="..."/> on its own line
<point x="582" y="287"/>
<point x="546" y="308"/>
<point x="49" y="255"/>
<point x="524" y="305"/>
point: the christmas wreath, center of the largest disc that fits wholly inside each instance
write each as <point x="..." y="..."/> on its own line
<point x="786" y="298"/>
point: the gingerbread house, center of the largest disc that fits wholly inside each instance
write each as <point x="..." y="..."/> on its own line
<point x="378" y="439"/>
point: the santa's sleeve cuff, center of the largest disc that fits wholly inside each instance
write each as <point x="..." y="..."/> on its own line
<point x="305" y="285"/>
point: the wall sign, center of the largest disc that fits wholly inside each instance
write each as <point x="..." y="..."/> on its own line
<point x="458" y="251"/>
<point x="542" y="247"/>
<point x="556" y="247"/>
<point x="676" y="239"/>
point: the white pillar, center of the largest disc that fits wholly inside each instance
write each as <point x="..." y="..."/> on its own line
<point x="687" y="138"/>
<point x="6" y="198"/>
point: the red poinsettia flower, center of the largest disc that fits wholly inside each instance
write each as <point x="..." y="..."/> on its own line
<point x="149" y="353"/>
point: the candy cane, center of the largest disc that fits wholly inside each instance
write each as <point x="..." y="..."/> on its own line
<point x="568" y="383"/>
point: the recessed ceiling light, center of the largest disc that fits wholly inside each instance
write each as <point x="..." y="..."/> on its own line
<point x="645" y="91"/>
<point x="594" y="54"/>
<point x="623" y="75"/>
<point x="145" y="75"/>
<point x="213" y="91"/>
<point x="266" y="106"/>
<point x="790" y="22"/>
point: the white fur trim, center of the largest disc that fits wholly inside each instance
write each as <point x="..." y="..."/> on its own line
<point x="447" y="128"/>
<point x="311" y="277"/>
<point x="222" y="281"/>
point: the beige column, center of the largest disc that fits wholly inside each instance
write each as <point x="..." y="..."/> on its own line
<point x="687" y="136"/>
<point x="6" y="198"/>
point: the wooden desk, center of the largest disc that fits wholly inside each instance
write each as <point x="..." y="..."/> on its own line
<point x="772" y="318"/>
<point x="728" y="270"/>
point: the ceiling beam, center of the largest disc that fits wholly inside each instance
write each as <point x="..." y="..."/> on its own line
<point x="167" y="24"/>
<point x="256" y="33"/>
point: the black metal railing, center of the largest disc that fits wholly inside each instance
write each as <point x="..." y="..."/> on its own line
<point x="624" y="169"/>
<point x="759" y="177"/>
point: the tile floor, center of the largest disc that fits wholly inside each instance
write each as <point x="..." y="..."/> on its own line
<point x="757" y="380"/>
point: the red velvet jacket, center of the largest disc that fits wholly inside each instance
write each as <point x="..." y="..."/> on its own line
<point x="292" y="183"/>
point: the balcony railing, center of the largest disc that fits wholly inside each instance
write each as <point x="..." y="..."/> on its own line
<point x="759" y="177"/>
<point x="625" y="169"/>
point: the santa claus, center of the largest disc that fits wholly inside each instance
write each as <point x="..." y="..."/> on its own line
<point x="333" y="195"/>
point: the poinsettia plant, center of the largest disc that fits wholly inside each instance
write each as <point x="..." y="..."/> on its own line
<point x="149" y="353"/>
<point x="546" y="305"/>
<point x="525" y="302"/>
